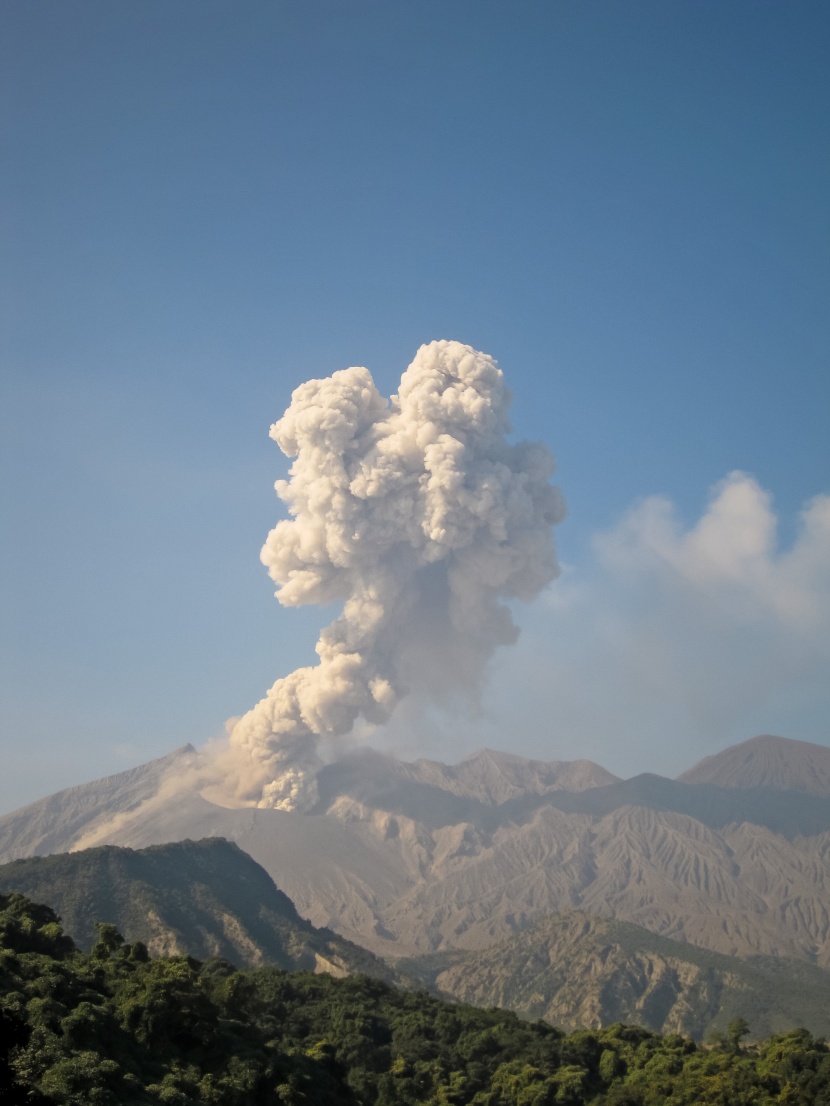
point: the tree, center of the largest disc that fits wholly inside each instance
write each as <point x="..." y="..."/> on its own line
<point x="735" y="1032"/>
<point x="109" y="941"/>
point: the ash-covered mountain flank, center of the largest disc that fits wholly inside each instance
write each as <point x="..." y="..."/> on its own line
<point x="579" y="971"/>
<point x="767" y="761"/>
<point x="57" y="822"/>
<point x="411" y="858"/>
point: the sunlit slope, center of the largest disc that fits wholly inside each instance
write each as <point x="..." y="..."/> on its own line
<point x="54" y="824"/>
<point x="576" y="970"/>
<point x="413" y="858"/>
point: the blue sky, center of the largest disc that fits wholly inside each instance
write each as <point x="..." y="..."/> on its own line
<point x="205" y="204"/>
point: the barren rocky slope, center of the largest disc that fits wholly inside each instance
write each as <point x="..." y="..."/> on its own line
<point x="575" y="971"/>
<point x="55" y="823"/>
<point x="413" y="858"/>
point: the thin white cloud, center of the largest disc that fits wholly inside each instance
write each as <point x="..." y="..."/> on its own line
<point x="730" y="558"/>
<point x="675" y="641"/>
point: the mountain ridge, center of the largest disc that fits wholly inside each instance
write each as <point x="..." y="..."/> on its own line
<point x="47" y="824"/>
<point x="200" y="898"/>
<point x="208" y="899"/>
<point x="411" y="858"/>
<point x="581" y="971"/>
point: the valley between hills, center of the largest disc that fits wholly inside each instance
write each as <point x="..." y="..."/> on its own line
<point x="554" y="889"/>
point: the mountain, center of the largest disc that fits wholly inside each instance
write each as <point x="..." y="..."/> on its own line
<point x="120" y="1029"/>
<point x="767" y="761"/>
<point x="487" y="778"/>
<point x="69" y="818"/>
<point x="381" y="783"/>
<point x="207" y="898"/>
<point x="54" y="823"/>
<point x="579" y="971"/>
<point x="202" y="898"/>
<point x="409" y="859"/>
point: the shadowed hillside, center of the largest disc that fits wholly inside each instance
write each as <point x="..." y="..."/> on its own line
<point x="202" y="898"/>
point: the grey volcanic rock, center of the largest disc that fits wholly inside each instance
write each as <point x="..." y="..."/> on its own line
<point x="437" y="796"/>
<point x="54" y="824"/>
<point x="406" y="859"/>
<point x="484" y="780"/>
<point x="767" y="761"/>
<point x="742" y="890"/>
<point x="792" y="815"/>
<point x="580" y="971"/>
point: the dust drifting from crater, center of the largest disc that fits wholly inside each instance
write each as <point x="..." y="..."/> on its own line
<point x="421" y="518"/>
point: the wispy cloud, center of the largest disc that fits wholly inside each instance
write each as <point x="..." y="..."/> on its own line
<point x="729" y="560"/>
<point x="676" y="640"/>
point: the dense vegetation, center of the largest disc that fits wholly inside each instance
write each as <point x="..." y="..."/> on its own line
<point x="209" y="898"/>
<point x="117" y="1027"/>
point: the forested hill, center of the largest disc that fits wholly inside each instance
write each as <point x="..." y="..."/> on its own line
<point x="117" y="1028"/>
<point x="208" y="898"/>
<point x="203" y="898"/>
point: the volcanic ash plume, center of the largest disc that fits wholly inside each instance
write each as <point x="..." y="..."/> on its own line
<point x="419" y="516"/>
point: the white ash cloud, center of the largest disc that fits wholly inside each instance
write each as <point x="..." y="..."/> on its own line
<point x="418" y="515"/>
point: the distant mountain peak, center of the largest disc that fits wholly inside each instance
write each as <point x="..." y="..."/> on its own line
<point x="496" y="776"/>
<point x="767" y="761"/>
<point x="487" y="776"/>
<point x="493" y="756"/>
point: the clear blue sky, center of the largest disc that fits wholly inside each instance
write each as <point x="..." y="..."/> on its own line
<point x="205" y="204"/>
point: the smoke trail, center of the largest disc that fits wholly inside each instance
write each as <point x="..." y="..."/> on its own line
<point x="419" y="516"/>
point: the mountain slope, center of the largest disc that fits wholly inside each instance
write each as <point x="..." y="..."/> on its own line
<point x="380" y="783"/>
<point x="53" y="824"/>
<point x="487" y="778"/>
<point x="576" y="971"/>
<point x="202" y="898"/>
<point x="767" y="761"/>
<point x="407" y="859"/>
<point x="208" y="898"/>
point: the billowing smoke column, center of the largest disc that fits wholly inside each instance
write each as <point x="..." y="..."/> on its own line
<point x="419" y="516"/>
